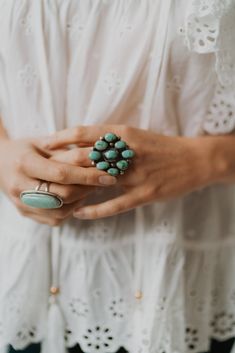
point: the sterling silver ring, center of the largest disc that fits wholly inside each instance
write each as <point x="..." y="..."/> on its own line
<point x="111" y="154"/>
<point x="39" y="198"/>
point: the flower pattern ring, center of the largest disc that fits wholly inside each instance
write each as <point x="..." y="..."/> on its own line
<point x="111" y="154"/>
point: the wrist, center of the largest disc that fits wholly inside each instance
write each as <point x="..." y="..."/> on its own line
<point x="210" y="164"/>
<point x="218" y="158"/>
<point x="223" y="158"/>
<point x="202" y="161"/>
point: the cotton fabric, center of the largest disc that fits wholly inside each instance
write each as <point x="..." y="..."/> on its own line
<point x="167" y="66"/>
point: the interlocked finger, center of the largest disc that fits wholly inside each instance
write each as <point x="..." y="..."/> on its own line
<point x="74" y="156"/>
<point x="71" y="193"/>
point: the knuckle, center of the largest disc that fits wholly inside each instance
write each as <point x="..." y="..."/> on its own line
<point x="21" y="162"/>
<point x="25" y="160"/>
<point x="77" y="157"/>
<point x="117" y="208"/>
<point x="78" y="133"/>
<point x="14" y="189"/>
<point x="66" y="194"/>
<point x="150" y="191"/>
<point x="87" y="178"/>
<point x="54" y="140"/>
<point x="90" y="179"/>
<point x="126" y="131"/>
<point x="95" y="214"/>
<point x="61" y="174"/>
<point x="122" y="129"/>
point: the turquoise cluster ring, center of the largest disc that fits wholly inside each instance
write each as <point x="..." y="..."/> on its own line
<point x="111" y="154"/>
<point x="43" y="199"/>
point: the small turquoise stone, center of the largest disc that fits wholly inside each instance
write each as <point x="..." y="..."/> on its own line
<point x="111" y="154"/>
<point x="110" y="137"/>
<point x="102" y="165"/>
<point x="120" y="144"/>
<point x="41" y="201"/>
<point x="101" y="145"/>
<point x="95" y="155"/>
<point x="113" y="171"/>
<point x="122" y="165"/>
<point x="128" y="154"/>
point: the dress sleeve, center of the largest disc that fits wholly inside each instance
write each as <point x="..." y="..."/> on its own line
<point x="210" y="28"/>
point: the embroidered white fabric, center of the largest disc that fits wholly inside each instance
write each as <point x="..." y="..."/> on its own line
<point x="209" y="27"/>
<point x="165" y="65"/>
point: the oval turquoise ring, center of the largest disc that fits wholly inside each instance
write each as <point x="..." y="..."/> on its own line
<point x="41" y="198"/>
<point x="111" y="154"/>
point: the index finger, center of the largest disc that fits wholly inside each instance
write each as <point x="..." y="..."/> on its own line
<point x="80" y="135"/>
<point x="42" y="168"/>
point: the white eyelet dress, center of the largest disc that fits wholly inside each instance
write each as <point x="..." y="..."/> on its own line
<point x="164" y="65"/>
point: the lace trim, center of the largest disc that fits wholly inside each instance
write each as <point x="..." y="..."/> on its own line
<point x="209" y="28"/>
<point x="101" y="314"/>
<point x="220" y="117"/>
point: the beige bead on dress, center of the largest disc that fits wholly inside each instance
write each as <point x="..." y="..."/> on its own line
<point x="138" y="295"/>
<point x="54" y="290"/>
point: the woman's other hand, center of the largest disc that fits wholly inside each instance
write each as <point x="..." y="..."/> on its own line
<point x="23" y="164"/>
<point x="164" y="167"/>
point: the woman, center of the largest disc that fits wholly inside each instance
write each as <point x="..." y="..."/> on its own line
<point x="142" y="260"/>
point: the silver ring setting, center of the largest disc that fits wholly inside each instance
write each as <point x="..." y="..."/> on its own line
<point x="111" y="154"/>
<point x="43" y="199"/>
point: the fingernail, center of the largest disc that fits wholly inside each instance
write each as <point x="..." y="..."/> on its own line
<point x="107" y="180"/>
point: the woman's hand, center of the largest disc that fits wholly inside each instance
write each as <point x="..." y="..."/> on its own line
<point x="164" y="167"/>
<point x="23" y="163"/>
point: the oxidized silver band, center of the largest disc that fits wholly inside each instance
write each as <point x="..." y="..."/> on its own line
<point x="43" y="199"/>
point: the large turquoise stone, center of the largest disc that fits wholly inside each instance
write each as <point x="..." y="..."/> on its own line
<point x="110" y="137"/>
<point x="111" y="154"/>
<point x="128" y="154"/>
<point x="113" y="171"/>
<point x="95" y="155"/>
<point x="122" y="165"/>
<point x="102" y="165"/>
<point x="120" y="144"/>
<point x="38" y="200"/>
<point x="101" y="145"/>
